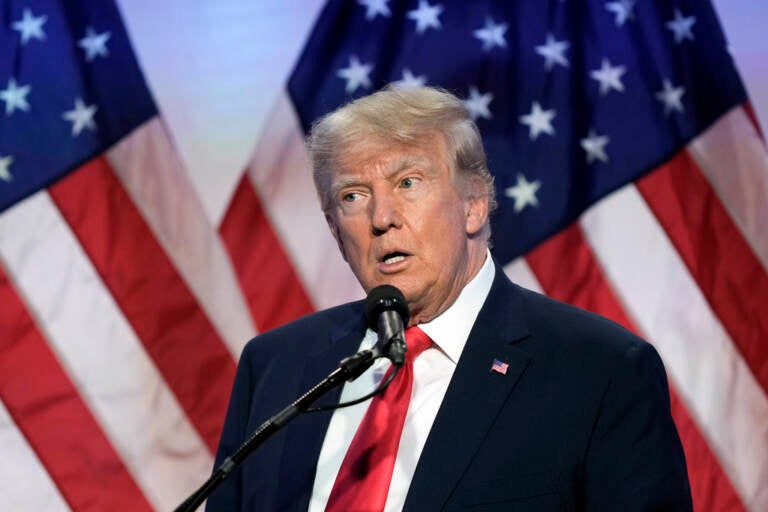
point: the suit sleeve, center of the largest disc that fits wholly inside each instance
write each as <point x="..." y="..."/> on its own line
<point x="228" y="496"/>
<point x="635" y="461"/>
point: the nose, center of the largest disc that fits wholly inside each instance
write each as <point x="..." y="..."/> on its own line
<point x="385" y="213"/>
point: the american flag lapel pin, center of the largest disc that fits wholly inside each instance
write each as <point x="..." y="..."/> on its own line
<point x="499" y="367"/>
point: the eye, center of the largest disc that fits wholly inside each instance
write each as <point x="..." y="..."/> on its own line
<point x="407" y="182"/>
<point x="350" y="197"/>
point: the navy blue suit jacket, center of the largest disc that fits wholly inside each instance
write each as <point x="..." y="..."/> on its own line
<point x="580" y="420"/>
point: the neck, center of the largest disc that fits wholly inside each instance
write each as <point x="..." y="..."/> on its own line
<point x="475" y="261"/>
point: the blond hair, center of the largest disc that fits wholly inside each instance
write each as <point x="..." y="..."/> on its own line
<point x="401" y="116"/>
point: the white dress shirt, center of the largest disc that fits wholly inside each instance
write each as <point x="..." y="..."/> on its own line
<point x="433" y="370"/>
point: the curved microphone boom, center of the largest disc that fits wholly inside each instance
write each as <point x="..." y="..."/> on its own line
<point x="387" y="313"/>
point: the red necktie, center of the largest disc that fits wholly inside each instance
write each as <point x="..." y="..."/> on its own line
<point x="363" y="481"/>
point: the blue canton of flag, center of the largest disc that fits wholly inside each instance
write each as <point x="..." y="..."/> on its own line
<point x="70" y="87"/>
<point x="573" y="99"/>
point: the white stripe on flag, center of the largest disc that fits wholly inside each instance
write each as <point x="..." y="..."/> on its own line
<point x="100" y="351"/>
<point x="149" y="169"/>
<point x="24" y="482"/>
<point x="669" y="310"/>
<point x="733" y="157"/>
<point x="280" y="171"/>
<point x="520" y="273"/>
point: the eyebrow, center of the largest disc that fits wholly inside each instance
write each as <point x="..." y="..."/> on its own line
<point x="400" y="164"/>
<point x="342" y="183"/>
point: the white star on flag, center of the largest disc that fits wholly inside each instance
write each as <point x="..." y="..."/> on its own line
<point x="409" y="80"/>
<point x="30" y="27"/>
<point x="426" y="16"/>
<point x="671" y="97"/>
<point x="594" y="145"/>
<point x="477" y="104"/>
<point x="5" y="163"/>
<point x="681" y="26"/>
<point x="492" y="34"/>
<point x="81" y="117"/>
<point x="356" y="74"/>
<point x="539" y="121"/>
<point x="375" y="7"/>
<point x="609" y="77"/>
<point x="553" y="52"/>
<point x="622" y="9"/>
<point x="524" y="193"/>
<point x="95" y="45"/>
<point x="15" y="97"/>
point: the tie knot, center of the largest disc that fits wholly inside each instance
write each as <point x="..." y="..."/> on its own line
<point x="417" y="341"/>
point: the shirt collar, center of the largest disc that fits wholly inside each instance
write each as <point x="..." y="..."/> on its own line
<point x="451" y="328"/>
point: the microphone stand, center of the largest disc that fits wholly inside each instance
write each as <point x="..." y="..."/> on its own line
<point x="348" y="369"/>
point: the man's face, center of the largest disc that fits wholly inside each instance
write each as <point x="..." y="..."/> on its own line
<point x="401" y="217"/>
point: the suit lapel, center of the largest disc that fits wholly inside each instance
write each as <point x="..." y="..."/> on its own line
<point x="473" y="398"/>
<point x="304" y="437"/>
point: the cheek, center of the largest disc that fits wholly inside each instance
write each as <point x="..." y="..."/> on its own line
<point x="355" y="239"/>
<point x="451" y="223"/>
<point x="444" y="240"/>
<point x="351" y="246"/>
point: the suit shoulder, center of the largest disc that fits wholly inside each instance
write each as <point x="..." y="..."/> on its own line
<point x="303" y="332"/>
<point x="576" y="329"/>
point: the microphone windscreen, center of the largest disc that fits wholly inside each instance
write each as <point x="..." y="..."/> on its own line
<point x="383" y="298"/>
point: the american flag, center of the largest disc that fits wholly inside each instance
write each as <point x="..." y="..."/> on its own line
<point x="632" y="181"/>
<point x="499" y="367"/>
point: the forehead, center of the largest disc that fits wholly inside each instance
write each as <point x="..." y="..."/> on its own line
<point x="369" y="152"/>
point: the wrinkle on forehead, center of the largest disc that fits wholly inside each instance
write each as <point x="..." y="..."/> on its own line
<point x="361" y="152"/>
<point x="386" y="165"/>
<point x="362" y="145"/>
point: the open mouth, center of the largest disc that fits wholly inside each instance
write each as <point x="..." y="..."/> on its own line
<point x="393" y="257"/>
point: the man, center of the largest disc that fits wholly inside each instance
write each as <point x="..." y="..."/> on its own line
<point x="518" y="403"/>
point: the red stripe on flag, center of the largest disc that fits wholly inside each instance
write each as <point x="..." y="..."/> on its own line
<point x="274" y="292"/>
<point x="582" y="283"/>
<point x="46" y="407"/>
<point x="154" y="298"/>
<point x="711" y="489"/>
<point x="715" y="253"/>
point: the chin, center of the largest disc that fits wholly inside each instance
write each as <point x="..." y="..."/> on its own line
<point x="411" y="295"/>
<point x="401" y="285"/>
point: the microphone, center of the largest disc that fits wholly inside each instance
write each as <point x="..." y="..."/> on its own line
<point x="387" y="313"/>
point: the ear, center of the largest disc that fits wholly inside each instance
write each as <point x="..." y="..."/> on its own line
<point x="336" y="234"/>
<point x="476" y="208"/>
